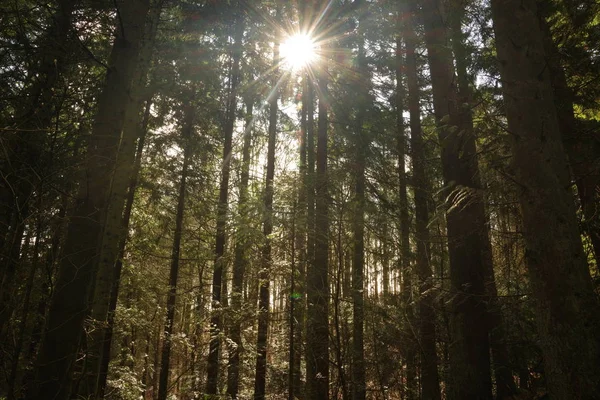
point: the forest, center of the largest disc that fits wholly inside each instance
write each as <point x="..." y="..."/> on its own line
<point x="311" y="199"/>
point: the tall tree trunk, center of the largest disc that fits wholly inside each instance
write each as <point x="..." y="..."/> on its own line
<point x="240" y="262"/>
<point x="216" y="323"/>
<point x="310" y="214"/>
<point x="292" y="311"/>
<point x="13" y="381"/>
<point x="264" y="276"/>
<point x="69" y="304"/>
<point x="308" y="102"/>
<point x="11" y="262"/>
<point x="582" y="149"/>
<point x="384" y="248"/>
<point x="317" y="281"/>
<point x="187" y="131"/>
<point x="361" y="143"/>
<point x="430" y="381"/>
<point x="297" y="293"/>
<point x="338" y="349"/>
<point x="567" y="307"/>
<point x="114" y="292"/>
<point x="469" y="349"/>
<point x="405" y="254"/>
<point x="505" y="384"/>
<point x="113" y="229"/>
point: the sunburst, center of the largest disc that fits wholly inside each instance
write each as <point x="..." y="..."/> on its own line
<point x="298" y="51"/>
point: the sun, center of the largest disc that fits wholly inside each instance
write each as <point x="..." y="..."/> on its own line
<point x="297" y="51"/>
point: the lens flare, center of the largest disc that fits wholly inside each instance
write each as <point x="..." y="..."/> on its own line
<point x="297" y="51"/>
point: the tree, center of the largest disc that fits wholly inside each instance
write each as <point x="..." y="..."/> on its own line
<point x="114" y="293"/>
<point x="241" y="259"/>
<point x="578" y="146"/>
<point x="430" y="385"/>
<point x="405" y="251"/>
<point x="505" y="386"/>
<point x="187" y="128"/>
<point x="567" y="307"/>
<point x="26" y="143"/>
<point x="418" y="238"/>
<point x="361" y="148"/>
<point x="469" y="350"/>
<point x="113" y="228"/>
<point x="69" y="304"/>
<point x="216" y="320"/>
<point x="317" y="286"/>
<point x="267" y="260"/>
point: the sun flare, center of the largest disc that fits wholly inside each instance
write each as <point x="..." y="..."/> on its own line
<point x="298" y="51"/>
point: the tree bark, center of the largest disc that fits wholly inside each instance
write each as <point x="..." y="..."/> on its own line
<point x="405" y="253"/>
<point x="582" y="148"/>
<point x="430" y="381"/>
<point x="505" y="384"/>
<point x="469" y="349"/>
<point x="567" y="307"/>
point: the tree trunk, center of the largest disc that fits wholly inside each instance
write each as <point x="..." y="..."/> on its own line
<point x="264" y="276"/>
<point x="469" y="349"/>
<point x="13" y="250"/>
<point x="292" y="311"/>
<point x="342" y="384"/>
<point x="310" y="216"/>
<point x="361" y="143"/>
<point x="114" y="293"/>
<point x="385" y="260"/>
<point x="582" y="149"/>
<point x="113" y="229"/>
<point x="317" y="281"/>
<point x="405" y="256"/>
<point x="69" y="304"/>
<point x="187" y="132"/>
<point x="567" y="307"/>
<point x="430" y="381"/>
<point x="216" y="324"/>
<point x="505" y="384"/>
<point x="240" y="263"/>
<point x="297" y="293"/>
<point x="13" y="382"/>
